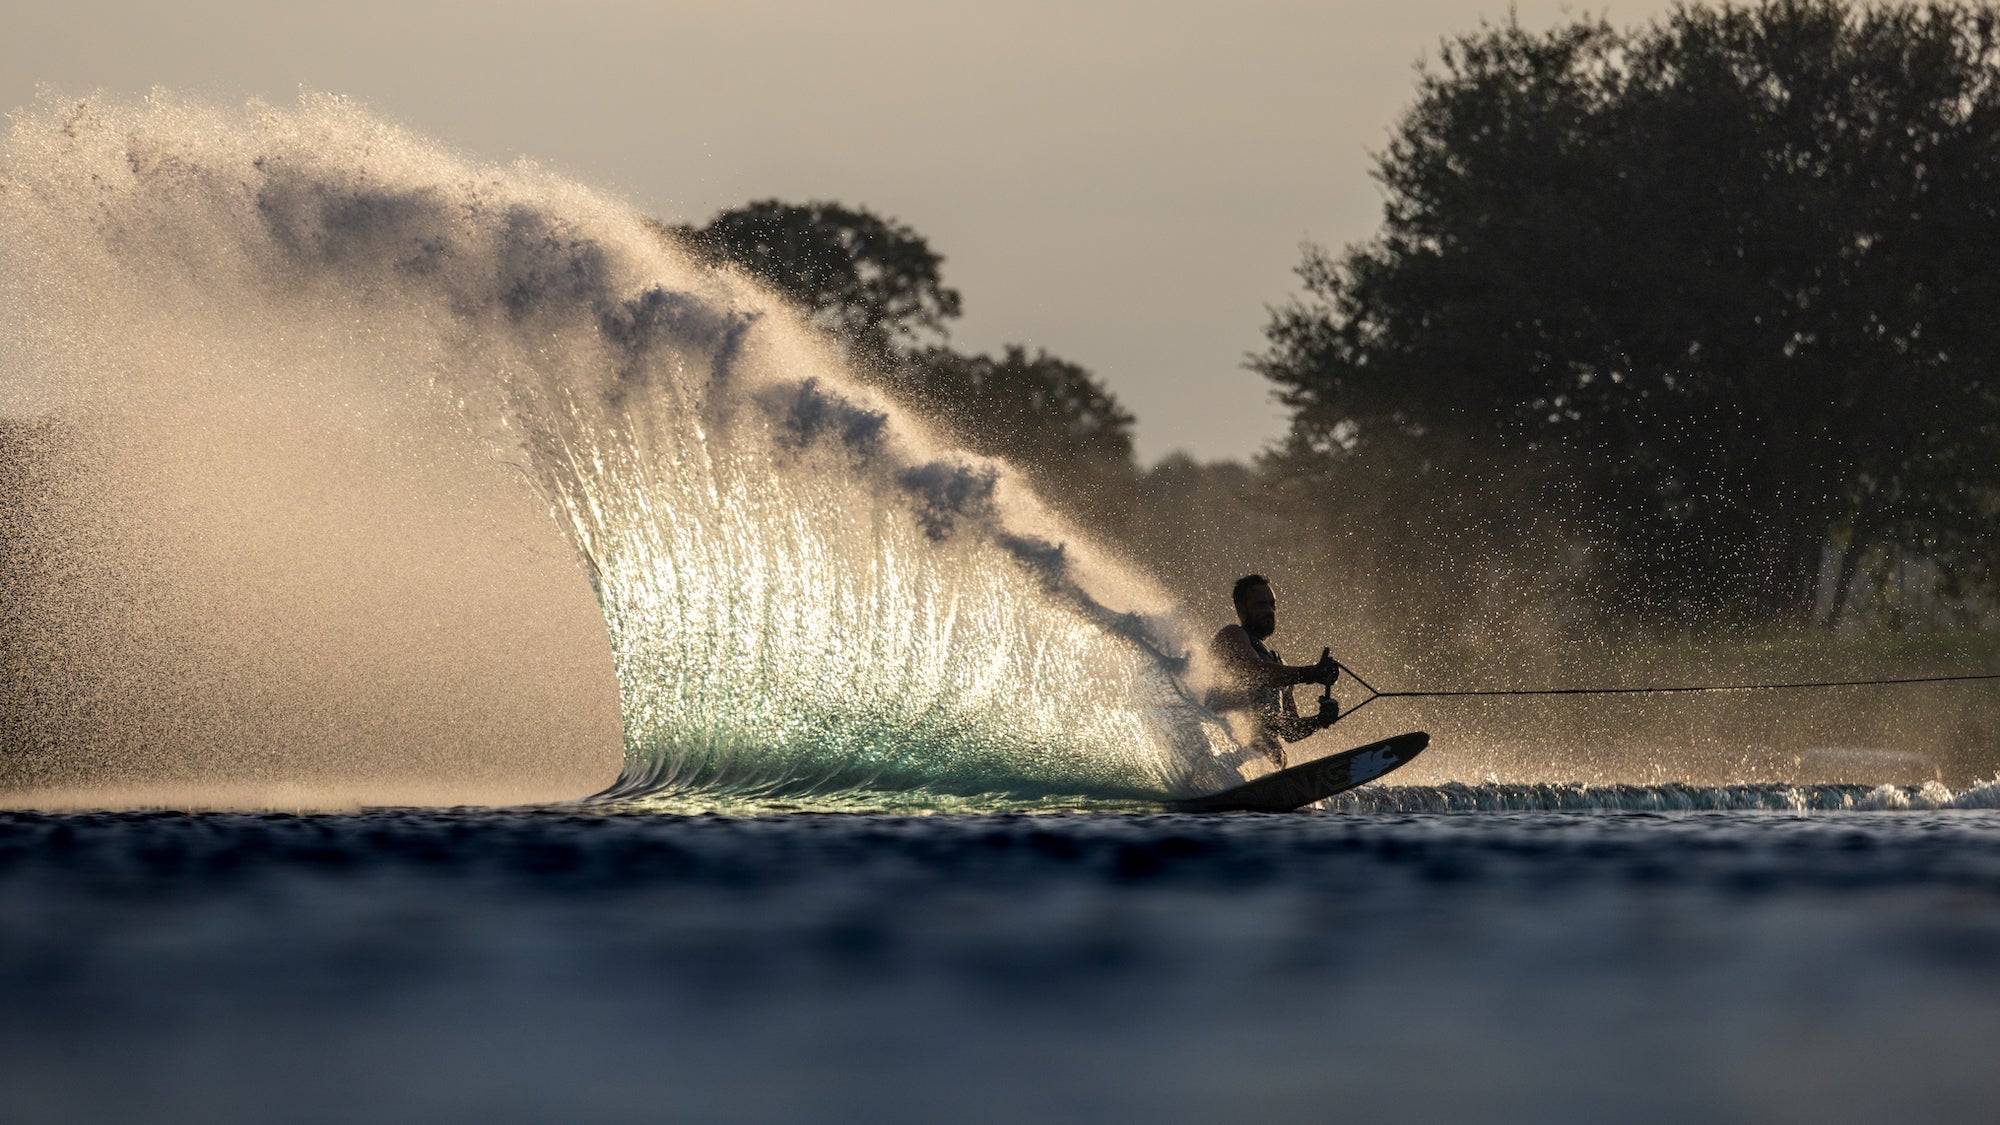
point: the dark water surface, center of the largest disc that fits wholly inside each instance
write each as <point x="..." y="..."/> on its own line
<point x="543" y="966"/>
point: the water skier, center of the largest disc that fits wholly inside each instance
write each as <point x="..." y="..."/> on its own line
<point x="1255" y="686"/>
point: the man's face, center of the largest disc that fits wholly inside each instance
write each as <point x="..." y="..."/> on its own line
<point x="1259" y="612"/>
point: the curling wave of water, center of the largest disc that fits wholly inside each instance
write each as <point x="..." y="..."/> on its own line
<point x="803" y="594"/>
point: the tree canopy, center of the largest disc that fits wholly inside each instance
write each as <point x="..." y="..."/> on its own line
<point x="876" y="285"/>
<point x="1045" y="414"/>
<point x="872" y="282"/>
<point x="1722" y="282"/>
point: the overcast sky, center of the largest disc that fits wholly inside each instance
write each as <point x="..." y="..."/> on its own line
<point x="1124" y="184"/>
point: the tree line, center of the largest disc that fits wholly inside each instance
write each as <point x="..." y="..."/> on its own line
<point x="1688" y="326"/>
<point x="1678" y="328"/>
<point x="876" y="286"/>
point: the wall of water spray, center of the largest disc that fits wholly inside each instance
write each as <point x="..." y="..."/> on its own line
<point x="802" y="592"/>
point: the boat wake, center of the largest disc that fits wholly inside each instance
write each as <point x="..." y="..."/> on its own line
<point x="1762" y="797"/>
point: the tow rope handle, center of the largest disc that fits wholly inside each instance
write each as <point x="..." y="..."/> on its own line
<point x="1326" y="700"/>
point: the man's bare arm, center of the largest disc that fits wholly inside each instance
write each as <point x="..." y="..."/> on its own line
<point x="1292" y="728"/>
<point x="1239" y="656"/>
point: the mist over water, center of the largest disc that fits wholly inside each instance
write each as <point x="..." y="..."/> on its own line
<point x="343" y="470"/>
<point x="342" y="430"/>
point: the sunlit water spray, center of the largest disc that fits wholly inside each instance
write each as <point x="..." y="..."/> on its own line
<point x="804" y="595"/>
<point x="346" y="430"/>
<point x="802" y="600"/>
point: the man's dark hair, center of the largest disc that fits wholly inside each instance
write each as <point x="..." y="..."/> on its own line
<point x="1244" y="585"/>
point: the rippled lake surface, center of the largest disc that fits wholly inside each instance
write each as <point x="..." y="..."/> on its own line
<point x="473" y="965"/>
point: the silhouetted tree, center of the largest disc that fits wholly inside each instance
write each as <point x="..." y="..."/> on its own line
<point x="1725" y="283"/>
<point x="875" y="285"/>
<point x="871" y="282"/>
<point x="1051" y="417"/>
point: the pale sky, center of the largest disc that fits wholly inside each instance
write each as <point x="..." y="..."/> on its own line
<point x="1124" y="184"/>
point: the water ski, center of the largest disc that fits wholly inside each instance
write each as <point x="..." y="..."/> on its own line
<point x="1307" y="782"/>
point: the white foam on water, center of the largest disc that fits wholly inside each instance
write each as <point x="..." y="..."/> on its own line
<point x="1494" y="796"/>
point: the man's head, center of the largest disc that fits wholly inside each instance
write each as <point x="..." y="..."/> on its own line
<point x="1256" y="605"/>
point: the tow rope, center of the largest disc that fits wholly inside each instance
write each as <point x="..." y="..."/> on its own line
<point x="1375" y="694"/>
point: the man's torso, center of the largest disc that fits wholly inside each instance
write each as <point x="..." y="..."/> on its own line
<point x="1267" y="705"/>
